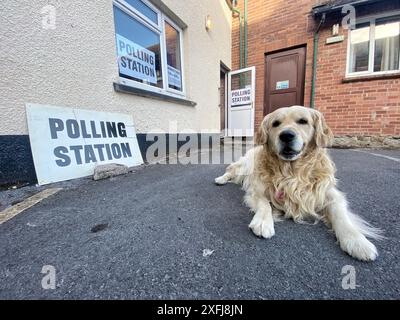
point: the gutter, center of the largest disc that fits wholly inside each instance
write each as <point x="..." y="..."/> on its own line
<point x="314" y="75"/>
<point x="329" y="8"/>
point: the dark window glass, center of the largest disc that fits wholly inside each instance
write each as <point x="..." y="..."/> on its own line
<point x="359" y="48"/>
<point x="144" y="9"/>
<point x="387" y="43"/>
<point x="173" y="57"/>
<point x="138" y="49"/>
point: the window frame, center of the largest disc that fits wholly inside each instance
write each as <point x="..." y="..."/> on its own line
<point x="372" y="21"/>
<point x="141" y="15"/>
<point x="164" y="57"/>
<point x="160" y="30"/>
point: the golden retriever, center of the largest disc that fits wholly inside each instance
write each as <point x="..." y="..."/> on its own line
<point x="289" y="173"/>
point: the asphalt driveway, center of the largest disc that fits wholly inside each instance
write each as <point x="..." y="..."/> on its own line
<point x="170" y="233"/>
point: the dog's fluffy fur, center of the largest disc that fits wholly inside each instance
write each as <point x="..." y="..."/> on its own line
<point x="297" y="182"/>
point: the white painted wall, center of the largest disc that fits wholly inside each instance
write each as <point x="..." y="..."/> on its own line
<point x="75" y="64"/>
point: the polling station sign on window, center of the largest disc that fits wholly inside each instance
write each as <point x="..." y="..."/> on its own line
<point x="136" y="61"/>
<point x="174" y="77"/>
<point x="241" y="97"/>
<point x="69" y="143"/>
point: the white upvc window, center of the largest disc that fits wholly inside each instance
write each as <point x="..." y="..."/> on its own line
<point x="374" y="46"/>
<point x="149" y="48"/>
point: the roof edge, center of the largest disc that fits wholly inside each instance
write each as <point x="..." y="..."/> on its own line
<point x="332" y="7"/>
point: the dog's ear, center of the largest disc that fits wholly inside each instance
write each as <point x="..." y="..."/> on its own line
<point x="323" y="134"/>
<point x="262" y="133"/>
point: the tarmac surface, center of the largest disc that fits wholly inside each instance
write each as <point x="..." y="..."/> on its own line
<point x="168" y="232"/>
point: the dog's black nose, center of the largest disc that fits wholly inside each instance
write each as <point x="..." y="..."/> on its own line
<point x="287" y="136"/>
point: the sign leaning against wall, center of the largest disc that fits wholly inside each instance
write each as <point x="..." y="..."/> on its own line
<point x="69" y="143"/>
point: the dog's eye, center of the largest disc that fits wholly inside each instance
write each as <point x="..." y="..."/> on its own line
<point x="276" y="123"/>
<point x="302" y="121"/>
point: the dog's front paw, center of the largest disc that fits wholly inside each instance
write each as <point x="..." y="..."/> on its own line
<point x="220" y="180"/>
<point x="359" y="247"/>
<point x="262" y="228"/>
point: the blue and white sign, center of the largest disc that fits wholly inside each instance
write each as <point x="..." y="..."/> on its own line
<point x="281" y="85"/>
<point x="174" y="77"/>
<point x="136" y="61"/>
<point x="69" y="143"/>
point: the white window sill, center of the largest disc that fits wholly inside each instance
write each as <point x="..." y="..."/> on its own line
<point x="118" y="87"/>
<point x="371" y="76"/>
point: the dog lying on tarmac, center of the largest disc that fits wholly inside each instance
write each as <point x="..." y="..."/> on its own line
<point x="290" y="174"/>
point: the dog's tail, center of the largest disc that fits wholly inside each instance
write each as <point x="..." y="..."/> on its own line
<point x="356" y="222"/>
<point x="365" y="228"/>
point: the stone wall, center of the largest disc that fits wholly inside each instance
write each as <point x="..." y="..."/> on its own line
<point x="378" y="142"/>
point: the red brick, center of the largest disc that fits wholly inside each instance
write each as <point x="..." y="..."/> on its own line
<point x="349" y="108"/>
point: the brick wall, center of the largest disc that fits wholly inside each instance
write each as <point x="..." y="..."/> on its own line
<point x="355" y="108"/>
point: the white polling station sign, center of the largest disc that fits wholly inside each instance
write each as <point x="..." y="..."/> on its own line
<point x="136" y="61"/>
<point x="69" y="143"/>
<point x="241" y="97"/>
<point x="174" y="77"/>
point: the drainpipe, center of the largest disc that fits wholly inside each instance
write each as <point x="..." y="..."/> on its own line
<point x="236" y="10"/>
<point x="314" y="75"/>
<point x="245" y="35"/>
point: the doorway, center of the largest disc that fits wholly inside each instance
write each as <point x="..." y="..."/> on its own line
<point x="284" y="79"/>
<point x="222" y="101"/>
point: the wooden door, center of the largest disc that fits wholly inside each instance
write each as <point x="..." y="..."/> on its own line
<point x="284" y="79"/>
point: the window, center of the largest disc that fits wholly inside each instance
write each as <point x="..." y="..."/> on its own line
<point x="173" y="57"/>
<point x="148" y="48"/>
<point x="359" y="48"/>
<point x="387" y="41"/>
<point x="144" y="9"/>
<point x="374" y="46"/>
